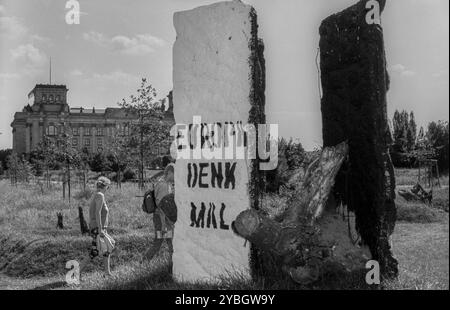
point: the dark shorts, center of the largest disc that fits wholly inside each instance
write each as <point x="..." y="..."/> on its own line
<point x="93" y="251"/>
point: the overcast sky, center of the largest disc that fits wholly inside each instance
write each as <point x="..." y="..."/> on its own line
<point x="117" y="42"/>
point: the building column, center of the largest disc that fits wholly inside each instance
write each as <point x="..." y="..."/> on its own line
<point x="36" y="137"/>
<point x="14" y="139"/>
<point x="44" y="129"/>
<point x="81" y="136"/>
<point x="94" y="138"/>
<point x="27" y="139"/>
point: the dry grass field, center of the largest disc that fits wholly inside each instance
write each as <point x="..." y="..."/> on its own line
<point x="33" y="252"/>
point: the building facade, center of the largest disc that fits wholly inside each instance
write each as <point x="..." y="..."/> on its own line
<point x="48" y="114"/>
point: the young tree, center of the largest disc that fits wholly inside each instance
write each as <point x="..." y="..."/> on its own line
<point x="294" y="153"/>
<point x="100" y="163"/>
<point x="405" y="139"/>
<point x="44" y="157"/>
<point x="13" y="164"/>
<point x="420" y="135"/>
<point x="411" y="135"/>
<point x="4" y="158"/>
<point x="150" y="131"/>
<point x="85" y="158"/>
<point x="67" y="155"/>
<point x="401" y="124"/>
<point x="438" y="138"/>
<point x="26" y="170"/>
<point x="118" y="155"/>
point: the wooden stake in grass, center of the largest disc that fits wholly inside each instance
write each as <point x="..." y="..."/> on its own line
<point x="60" y="224"/>
<point x="83" y="225"/>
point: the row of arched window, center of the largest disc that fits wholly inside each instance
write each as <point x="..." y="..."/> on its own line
<point x="51" y="98"/>
<point x="88" y="131"/>
<point x="123" y="130"/>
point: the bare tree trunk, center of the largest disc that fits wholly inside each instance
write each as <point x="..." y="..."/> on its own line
<point x="68" y="178"/>
<point x="141" y="172"/>
<point x="83" y="224"/>
<point x="119" y="178"/>
<point x="47" y="177"/>
<point x="60" y="224"/>
<point x="295" y="240"/>
<point x="64" y="188"/>
<point x="84" y="179"/>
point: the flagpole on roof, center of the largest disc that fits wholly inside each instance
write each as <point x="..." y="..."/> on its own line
<point x="50" y="70"/>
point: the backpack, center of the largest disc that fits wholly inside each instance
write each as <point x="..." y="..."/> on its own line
<point x="149" y="203"/>
<point x="169" y="208"/>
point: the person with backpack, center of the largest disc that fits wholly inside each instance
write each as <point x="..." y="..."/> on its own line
<point x="160" y="201"/>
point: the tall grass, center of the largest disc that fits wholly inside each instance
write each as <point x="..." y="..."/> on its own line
<point x="26" y="209"/>
<point x="410" y="177"/>
<point x="31" y="246"/>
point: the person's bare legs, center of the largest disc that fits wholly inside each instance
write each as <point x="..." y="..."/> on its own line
<point x="170" y="248"/>
<point x="84" y="263"/>
<point x="107" y="264"/>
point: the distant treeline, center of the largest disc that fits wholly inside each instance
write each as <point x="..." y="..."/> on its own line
<point x="410" y="146"/>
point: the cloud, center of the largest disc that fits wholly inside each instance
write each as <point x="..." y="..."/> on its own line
<point x="95" y="37"/>
<point x="116" y="77"/>
<point x="440" y="74"/>
<point x="11" y="27"/>
<point x="402" y="70"/>
<point x="76" y="72"/>
<point x="6" y="77"/>
<point x="408" y="73"/>
<point x="140" y="44"/>
<point x="29" y="58"/>
<point x="397" y="68"/>
<point x="40" y="39"/>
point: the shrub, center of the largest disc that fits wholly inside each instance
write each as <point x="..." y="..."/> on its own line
<point x="129" y="175"/>
<point x="403" y="160"/>
<point x="441" y="198"/>
<point x="291" y="156"/>
<point x="100" y="163"/>
<point x="161" y="162"/>
<point x="438" y="135"/>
